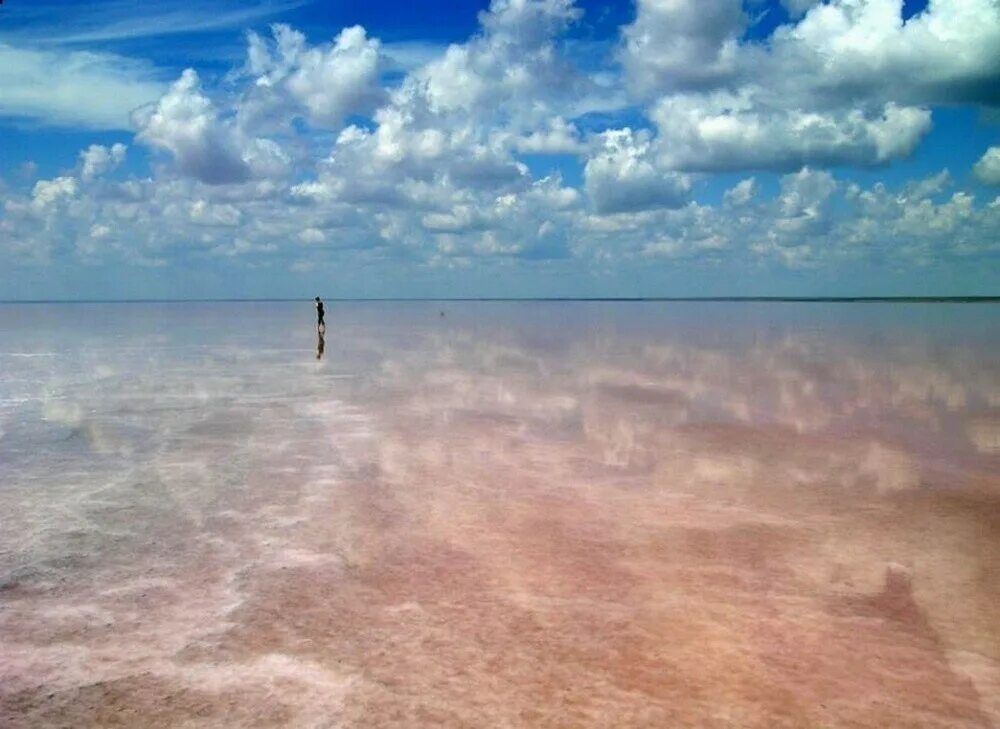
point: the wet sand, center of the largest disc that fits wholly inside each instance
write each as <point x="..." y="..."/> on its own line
<point x="544" y="515"/>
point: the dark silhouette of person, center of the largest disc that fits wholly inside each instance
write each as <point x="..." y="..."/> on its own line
<point x="320" y="313"/>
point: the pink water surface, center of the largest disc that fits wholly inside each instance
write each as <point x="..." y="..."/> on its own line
<point x="500" y="515"/>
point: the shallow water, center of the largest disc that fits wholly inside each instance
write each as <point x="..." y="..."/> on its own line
<point x="500" y="514"/>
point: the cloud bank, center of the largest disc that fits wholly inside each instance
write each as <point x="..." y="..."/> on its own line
<point x="309" y="154"/>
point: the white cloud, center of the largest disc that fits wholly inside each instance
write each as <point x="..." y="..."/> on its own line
<point x="848" y="48"/>
<point x="622" y="176"/>
<point x="846" y="83"/>
<point x="512" y="64"/>
<point x="327" y="82"/>
<point x="528" y="22"/>
<point x="99" y="231"/>
<point x="839" y="51"/>
<point x="742" y="192"/>
<point x="701" y="248"/>
<point x="682" y="44"/>
<point x="203" y="212"/>
<point x="987" y="169"/>
<point x="460" y="219"/>
<point x="550" y="194"/>
<point x="802" y="206"/>
<point x="186" y="123"/>
<point x="557" y="137"/>
<point x="444" y="140"/>
<point x="814" y="220"/>
<point x="723" y="131"/>
<point x="665" y="248"/>
<point x="47" y="192"/>
<point x="803" y="193"/>
<point x="453" y="82"/>
<point x="927" y="187"/>
<point x="312" y="236"/>
<point x="74" y="88"/>
<point x="907" y="227"/>
<point x="242" y="247"/>
<point x="433" y="176"/>
<point x="924" y="231"/>
<point x="97" y="159"/>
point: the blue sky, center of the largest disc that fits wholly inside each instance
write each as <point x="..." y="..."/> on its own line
<point x="512" y="148"/>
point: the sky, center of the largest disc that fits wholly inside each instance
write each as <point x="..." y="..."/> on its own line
<point x="513" y="148"/>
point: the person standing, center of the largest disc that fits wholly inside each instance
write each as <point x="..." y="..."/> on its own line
<point x="320" y="323"/>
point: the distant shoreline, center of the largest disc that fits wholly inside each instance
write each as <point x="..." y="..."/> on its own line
<point x="554" y="299"/>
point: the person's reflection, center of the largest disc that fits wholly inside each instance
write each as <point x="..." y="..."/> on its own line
<point x="320" y="344"/>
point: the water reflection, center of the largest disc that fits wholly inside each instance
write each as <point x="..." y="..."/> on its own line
<point x="667" y="516"/>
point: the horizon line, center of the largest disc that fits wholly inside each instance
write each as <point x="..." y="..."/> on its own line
<point x="539" y="299"/>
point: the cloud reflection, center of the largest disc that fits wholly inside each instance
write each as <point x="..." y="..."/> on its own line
<point x="469" y="516"/>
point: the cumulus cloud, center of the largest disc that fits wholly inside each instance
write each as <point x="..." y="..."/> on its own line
<point x="557" y="136"/>
<point x="48" y="192"/>
<point x="838" y="51"/>
<point x="528" y="22"/>
<point x="741" y="193"/>
<point x="682" y="44"/>
<point x="97" y="159"/>
<point x="99" y="232"/>
<point x="312" y="236"/>
<point x="623" y="177"/>
<point x="834" y="222"/>
<point x="987" y="169"/>
<point x="206" y="213"/>
<point x="802" y="205"/>
<point x="327" y="83"/>
<point x="922" y="189"/>
<point x="847" y="83"/>
<point x="701" y="248"/>
<point x="406" y="166"/>
<point x="241" y="247"/>
<point x="925" y="231"/>
<point x="530" y="225"/>
<point x="440" y="167"/>
<point x="443" y="145"/>
<point x="727" y="132"/>
<point x="815" y="220"/>
<point x="186" y="123"/>
<point x="514" y="59"/>
<point x="950" y="52"/>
